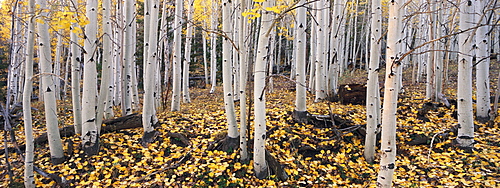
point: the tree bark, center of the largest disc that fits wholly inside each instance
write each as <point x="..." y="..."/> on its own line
<point x="373" y="90"/>
<point x="259" y="149"/>
<point x="90" y="134"/>
<point x="465" y="136"/>
<point x="48" y="89"/>
<point x="388" y="145"/>
<point x="176" y="90"/>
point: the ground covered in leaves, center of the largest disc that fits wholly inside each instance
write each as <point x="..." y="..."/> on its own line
<point x="313" y="156"/>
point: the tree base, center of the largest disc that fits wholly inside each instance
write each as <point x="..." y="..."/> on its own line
<point x="91" y="147"/>
<point x="226" y="144"/>
<point x="301" y="116"/>
<point x="149" y="137"/>
<point x="56" y="161"/>
<point x="274" y="168"/>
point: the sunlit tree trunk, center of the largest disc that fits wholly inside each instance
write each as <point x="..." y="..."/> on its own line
<point x="187" y="53"/>
<point x="430" y="90"/>
<point x="106" y="63"/>
<point x="259" y="149"/>
<point x="128" y="57"/>
<point x="300" y="61"/>
<point x="176" y="92"/>
<point x="232" y="126"/>
<point x="55" y="144"/>
<point x="373" y="90"/>
<point x="148" y="112"/>
<point x="118" y="54"/>
<point x="388" y="145"/>
<point x="29" y="177"/>
<point x="90" y="134"/>
<point x="75" y="78"/>
<point x="57" y="67"/>
<point x="213" y="53"/>
<point x="320" y="48"/>
<point x="483" y="62"/>
<point x="465" y="136"/>
<point x="243" y="55"/>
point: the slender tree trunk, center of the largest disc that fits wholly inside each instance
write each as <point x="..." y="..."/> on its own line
<point x="187" y="54"/>
<point x="465" y="136"/>
<point x="259" y="149"/>
<point x="388" y="146"/>
<point x="29" y="177"/>
<point x="232" y="126"/>
<point x="90" y="134"/>
<point x="128" y="57"/>
<point x="373" y="90"/>
<point x="106" y="63"/>
<point x="176" y="92"/>
<point x="300" y="60"/>
<point x="213" y="53"/>
<point x="48" y="90"/>
<point x="75" y="77"/>
<point x="483" y="62"/>
<point x="148" y="112"/>
<point x="243" y="55"/>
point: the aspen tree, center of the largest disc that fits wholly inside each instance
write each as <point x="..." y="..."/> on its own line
<point x="300" y="62"/>
<point x="149" y="118"/>
<point x="388" y="146"/>
<point x="232" y="126"/>
<point x="176" y="89"/>
<point x="128" y="57"/>
<point x="319" y="51"/>
<point x="47" y="90"/>
<point x="483" y="62"/>
<point x="90" y="134"/>
<point x="75" y="75"/>
<point x="259" y="149"/>
<point x="187" y="53"/>
<point x="465" y="137"/>
<point x="29" y="177"/>
<point x="373" y="90"/>
<point x="243" y="55"/>
<point x="106" y="63"/>
<point x="213" y="53"/>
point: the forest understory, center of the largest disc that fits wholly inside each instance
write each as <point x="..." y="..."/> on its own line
<point x="313" y="155"/>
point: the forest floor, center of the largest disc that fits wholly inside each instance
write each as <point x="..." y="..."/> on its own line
<point x="313" y="156"/>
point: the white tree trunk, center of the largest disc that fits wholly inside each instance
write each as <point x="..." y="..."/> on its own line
<point x="259" y="149"/>
<point x="213" y="53"/>
<point x="187" y="54"/>
<point x="482" y="58"/>
<point x="29" y="177"/>
<point x="90" y="134"/>
<point x="373" y="90"/>
<point x="107" y="73"/>
<point x="465" y="136"/>
<point x="128" y="57"/>
<point x="57" y="67"/>
<point x="148" y="112"/>
<point x="75" y="78"/>
<point x="176" y="90"/>
<point x="55" y="144"/>
<point x="300" y="59"/>
<point x="232" y="126"/>
<point x="388" y="145"/>
<point x="243" y="55"/>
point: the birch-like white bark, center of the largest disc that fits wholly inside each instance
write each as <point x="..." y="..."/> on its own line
<point x="90" y="134"/>
<point x="388" y="143"/>
<point x="259" y="149"/>
<point x="465" y="137"/>
<point x="29" y="177"/>
<point x="48" y="88"/>
<point x="176" y="71"/>
<point x="373" y="90"/>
